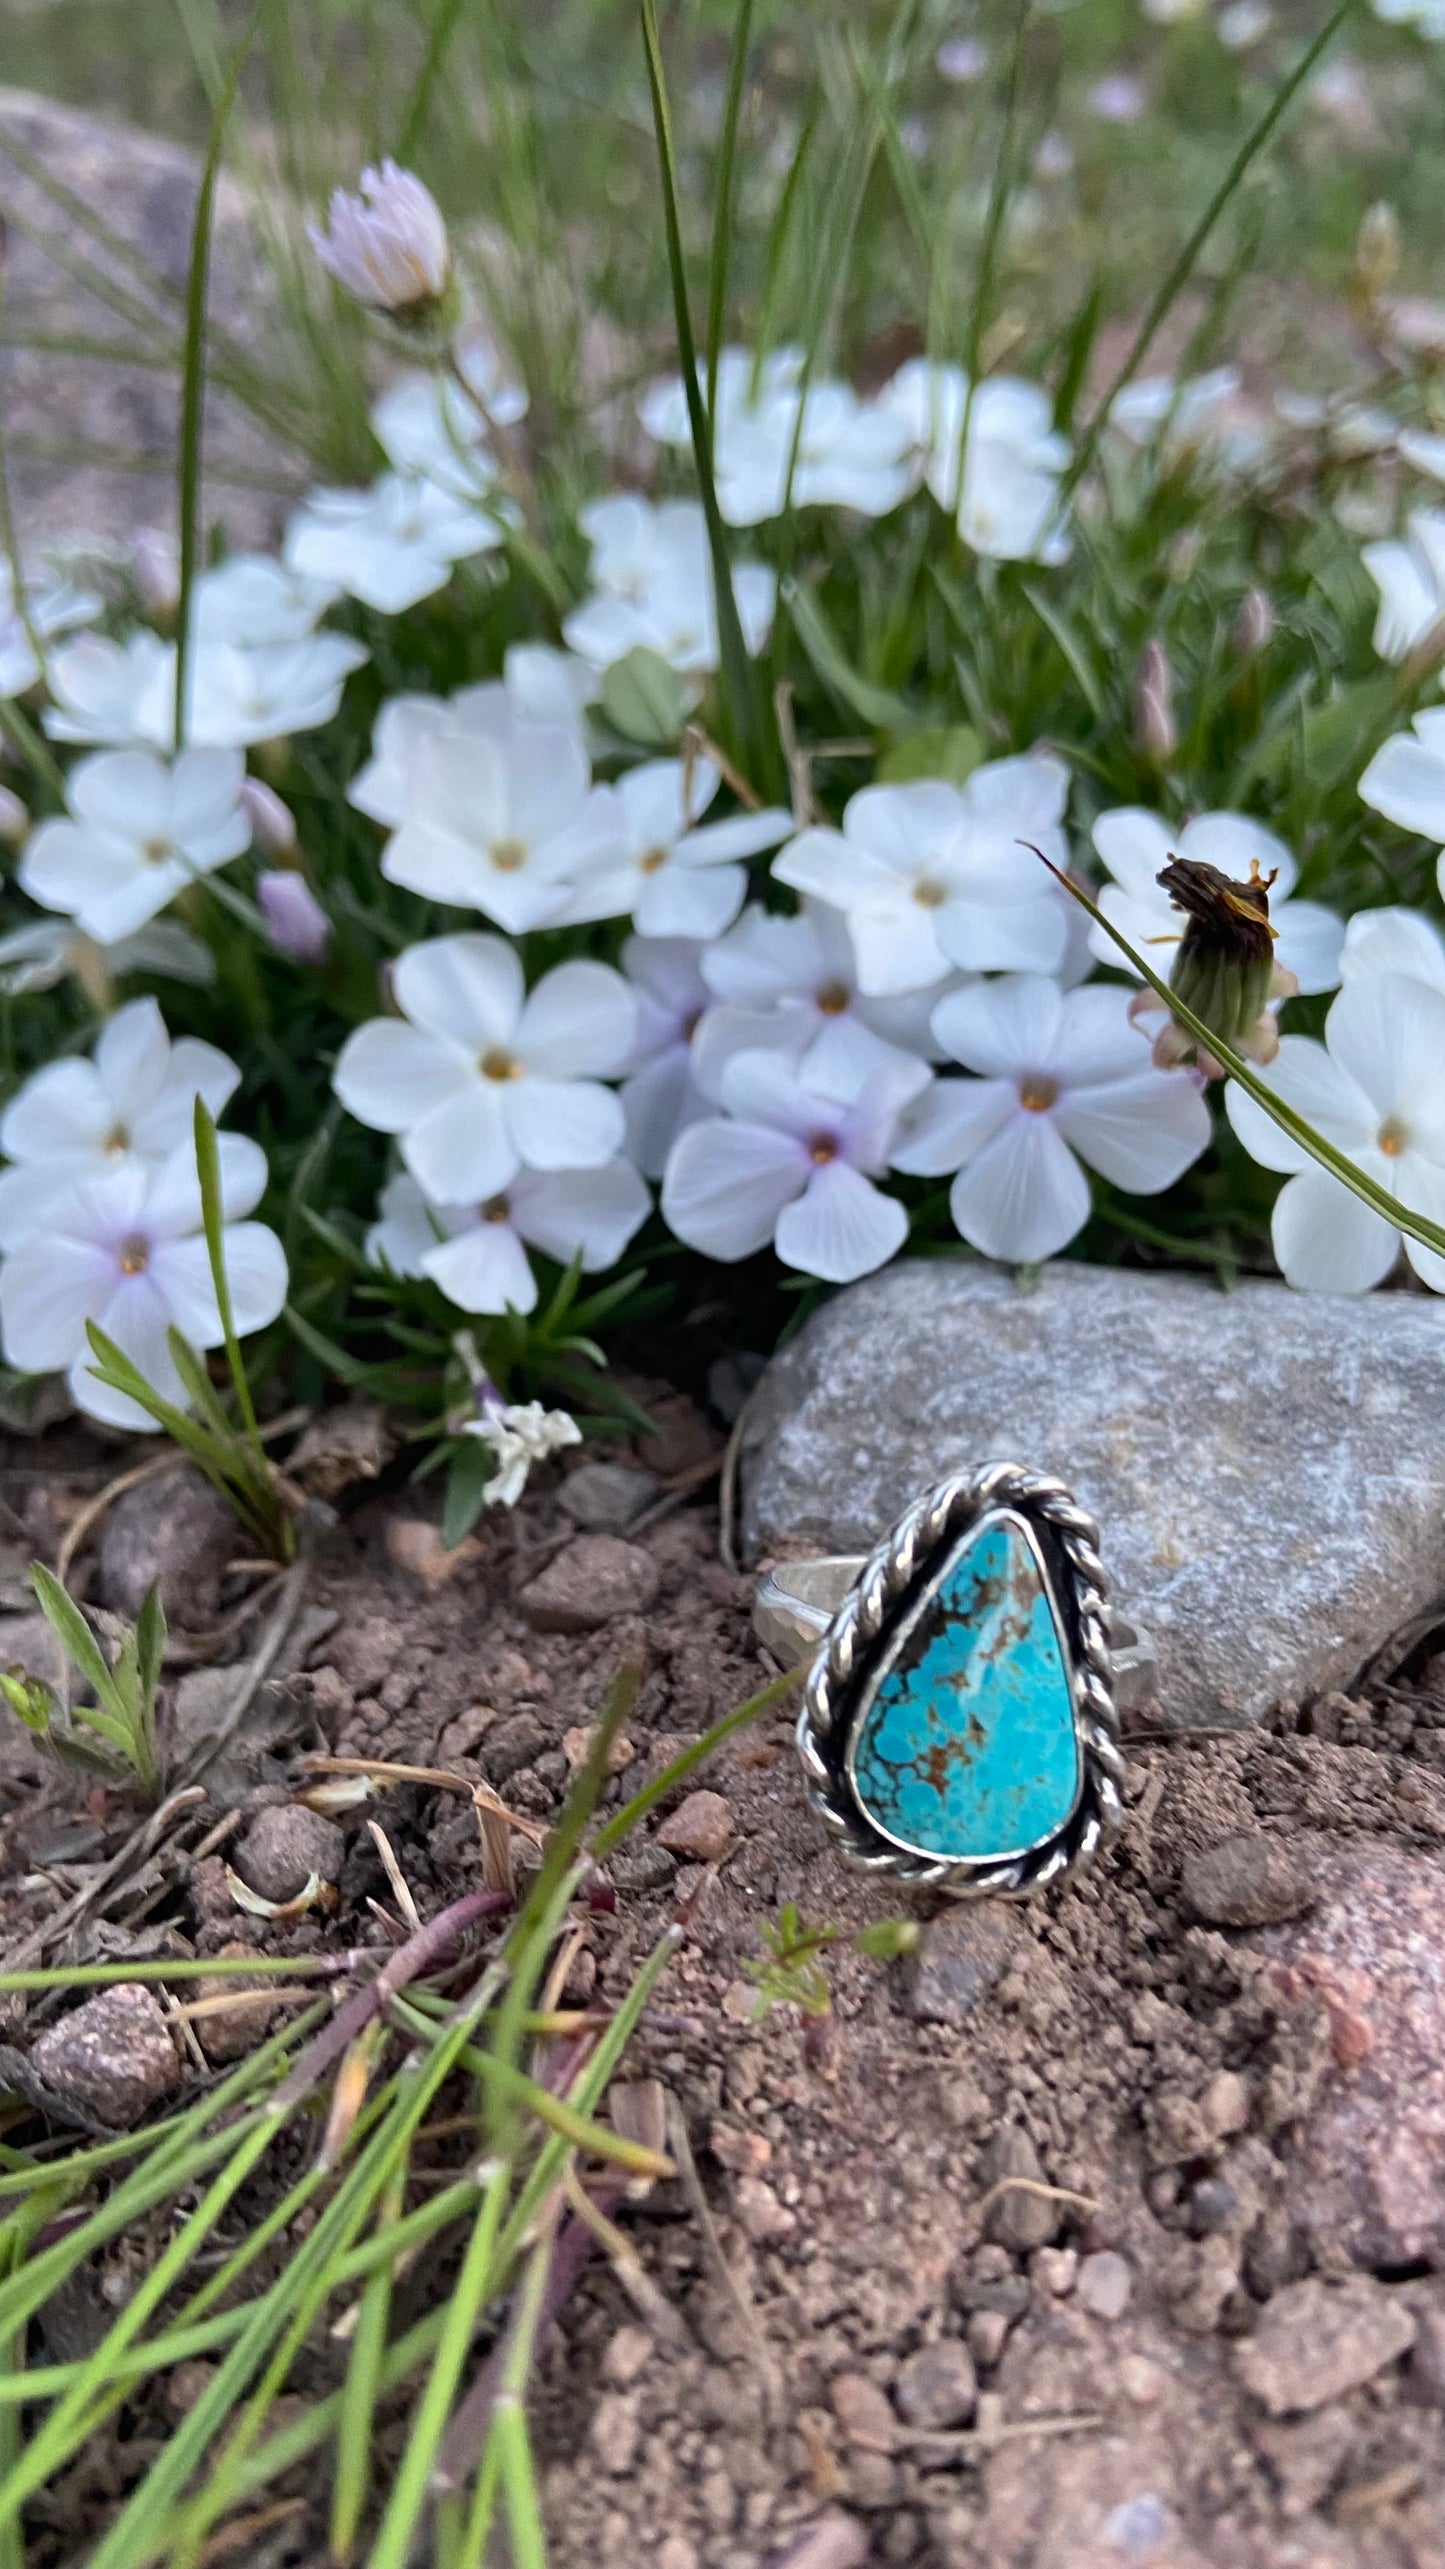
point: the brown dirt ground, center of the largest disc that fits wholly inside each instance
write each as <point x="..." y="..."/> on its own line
<point x="1214" y="2106"/>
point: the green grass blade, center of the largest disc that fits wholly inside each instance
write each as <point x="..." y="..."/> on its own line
<point x="76" y="1638"/>
<point x="1183" y="267"/>
<point x="352" y="2479"/>
<point x="472" y="2290"/>
<point x="722" y="226"/>
<point x="208" y="1169"/>
<point x="998" y="197"/>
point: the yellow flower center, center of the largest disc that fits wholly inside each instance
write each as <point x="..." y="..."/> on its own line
<point x="930" y="895"/>
<point x="1393" y="1137"/>
<point x="498" y="1063"/>
<point x="822" y="1149"/>
<point x="508" y="855"/>
<point x="116" y="1141"/>
<point x="135" y="1255"/>
<point x="832" y="999"/>
<point x="496" y="1209"/>
<point x="654" y="861"/>
<point x="1037" y="1094"/>
<point x="157" y="851"/>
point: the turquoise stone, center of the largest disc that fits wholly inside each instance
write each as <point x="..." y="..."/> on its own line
<point x="966" y="1746"/>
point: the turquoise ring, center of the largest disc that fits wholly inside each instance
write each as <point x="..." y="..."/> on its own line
<point x="959" y="1725"/>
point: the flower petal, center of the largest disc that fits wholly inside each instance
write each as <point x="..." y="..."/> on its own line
<point x="841" y="1226"/>
<point x="562" y="1123"/>
<point x="726" y="1185"/>
<point x="137" y="1317"/>
<point x="1388" y="1033"/>
<point x="467" y="987"/>
<point x="390" y="1074"/>
<point x="948" y="1127"/>
<point x="1390" y="940"/>
<point x="591" y="1212"/>
<point x="1309" y="944"/>
<point x="1234" y="843"/>
<point x="462" y="1152"/>
<point x="1319" y="1088"/>
<point x="255" y="1274"/>
<point x="1326" y="1240"/>
<point x="580" y="1022"/>
<point x="484" y="1269"/>
<point x="62" y="1114"/>
<point x="1406" y="782"/>
<point x="1024" y="1196"/>
<point x="681" y="901"/>
<point x="1134" y="844"/>
<point x="49" y="1287"/>
<point x="1142" y="1132"/>
<point x="1002" y="1029"/>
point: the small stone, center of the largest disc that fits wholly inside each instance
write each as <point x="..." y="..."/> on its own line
<point x="1107" y="1376"/>
<point x="763" y="2217"/>
<point x="1244" y="1881"/>
<point x="233" y="2030"/>
<point x="511" y="1745"/>
<point x="987" y="2336"/>
<point x="577" y="1746"/>
<point x="1105" y="2284"/>
<point x="645" y="1867"/>
<point x="284" y="1845"/>
<point x="963" y="1954"/>
<point x="114" y="2056"/>
<point x="588" y="1583"/>
<point x="872" y="2480"/>
<point x="701" y="1828"/>
<point x="832" y="2541"/>
<point x="1019" y="2217"/>
<point x="1225" y="2104"/>
<point x="1427" y="2361"/>
<point x="1306" y="2456"/>
<point x="677" y="2552"/>
<point x="603" y="1498"/>
<point x="863" y="2412"/>
<point x="1142" y="2383"/>
<point x="937" y="2386"/>
<point x="1054" y="2271"/>
<point x="615" y="2428"/>
<point x="746" y="2153"/>
<point x="416" y="1546"/>
<point x="1213" y="2205"/>
<point x="175" y="1531"/>
<point x="347" y="1444"/>
<point x="627" y="2353"/>
<point x="1315" y="2341"/>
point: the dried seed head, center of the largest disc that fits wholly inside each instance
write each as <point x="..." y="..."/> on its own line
<point x="1225" y="968"/>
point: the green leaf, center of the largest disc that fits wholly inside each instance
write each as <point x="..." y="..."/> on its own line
<point x="208" y="1169"/>
<point x="644" y="699"/>
<point x="876" y="706"/>
<point x="150" y="1630"/>
<point x="470" y="1469"/>
<point x="75" y="1637"/>
<point x="951" y="752"/>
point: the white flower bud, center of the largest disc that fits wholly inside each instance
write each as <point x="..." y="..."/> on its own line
<point x="1254" y="624"/>
<point x="388" y="245"/>
<point x="1154" y="728"/>
<point x="157" y="566"/>
<point x="14" y="818"/>
<point x="272" y="826"/>
<point x="298" y="924"/>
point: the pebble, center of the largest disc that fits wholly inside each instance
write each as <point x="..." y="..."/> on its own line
<point x="833" y="2540"/>
<point x="284" y="1845"/>
<point x="1105" y="2285"/>
<point x="1225" y="2104"/>
<point x="615" y="2429"/>
<point x="681" y="1439"/>
<point x="763" y="2217"/>
<point x="701" y="1828"/>
<point x="175" y="1530"/>
<point x="645" y="1867"/>
<point x="864" y="2412"/>
<point x="1018" y="2218"/>
<point x="232" y="2031"/>
<point x="937" y="2386"/>
<point x="1244" y="1881"/>
<point x="1252" y="1583"/>
<point x="416" y="1546"/>
<point x="1054" y="2270"/>
<point x="987" y="2336"/>
<point x="603" y="1498"/>
<point x="577" y="1744"/>
<point x="114" y="2056"/>
<point x="1142" y="2382"/>
<point x="588" y="1583"/>
<point x="1315" y="2341"/>
<point x="510" y="1745"/>
<point x="962" y="1955"/>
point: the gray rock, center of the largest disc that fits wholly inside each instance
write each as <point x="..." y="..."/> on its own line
<point x="592" y="1580"/>
<point x="962" y="1956"/>
<point x="603" y="1498"/>
<point x="1266" y="1466"/>
<point x="937" y="2386"/>
<point x="284" y="1845"/>
<point x="113" y="2057"/>
<point x="1245" y="1881"/>
<point x="1315" y="2341"/>
<point x="66" y="412"/>
<point x="177" y="1530"/>
<point x="1105" y="2284"/>
<point x="1021" y="2214"/>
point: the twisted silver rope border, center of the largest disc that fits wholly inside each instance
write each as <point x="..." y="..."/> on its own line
<point x="931" y="1526"/>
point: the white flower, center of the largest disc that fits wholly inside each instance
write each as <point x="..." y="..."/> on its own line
<point x="391" y="545"/>
<point x="1242" y="24"/>
<point x="549" y="686"/>
<point x="1117" y="99"/>
<point x="1427" y="17"/>
<point x="653" y="575"/>
<point x="1184" y="413"/>
<point x="1393" y="940"/>
<point x="1405" y="780"/>
<point x="255" y="602"/>
<point x="127" y="1251"/>
<point x="540" y="685"/>
<point x="520" y="1434"/>
<point x="142" y="828"/>
<point x="132" y="1102"/>
<point x="841" y="452"/>
<point x="785" y="981"/>
<point x="676" y="878"/>
<point x="1375" y="1088"/>
<point x="660" y="1094"/>
<point x="1134" y="844"/>
<point x="1410" y="577"/>
<point x="51" y="607"/>
<point x="1063" y="1076"/>
<point x="932" y="875"/>
<point x="499" y="814"/>
<point x="109" y="694"/>
<point x="477" y="1253"/>
<point x="479" y="1079"/>
<point x="388" y="245"/>
<point x="1008" y="503"/>
<point x="961" y="58"/>
<point x="38" y="956"/>
<point x="792" y="1160"/>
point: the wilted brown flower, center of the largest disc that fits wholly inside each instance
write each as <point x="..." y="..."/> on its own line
<point x="1225" y="969"/>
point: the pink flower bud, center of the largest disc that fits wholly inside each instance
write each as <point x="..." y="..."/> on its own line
<point x="272" y="826"/>
<point x="1254" y="624"/>
<point x="298" y="924"/>
<point x="388" y="245"/>
<point x="1154" y="731"/>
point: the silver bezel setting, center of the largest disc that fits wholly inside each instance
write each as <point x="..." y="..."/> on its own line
<point x="893" y="1580"/>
